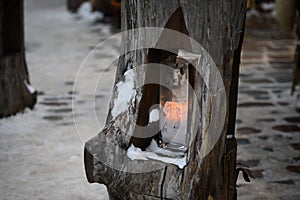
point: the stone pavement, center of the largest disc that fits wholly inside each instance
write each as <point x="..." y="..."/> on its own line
<point x="41" y="154"/>
<point x="268" y="117"/>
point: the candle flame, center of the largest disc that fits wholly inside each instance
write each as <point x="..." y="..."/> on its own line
<point x="176" y="111"/>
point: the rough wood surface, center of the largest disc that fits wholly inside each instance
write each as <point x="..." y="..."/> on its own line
<point x="14" y="94"/>
<point x="218" y="26"/>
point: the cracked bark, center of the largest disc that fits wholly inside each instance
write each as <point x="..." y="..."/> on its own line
<point x="218" y="26"/>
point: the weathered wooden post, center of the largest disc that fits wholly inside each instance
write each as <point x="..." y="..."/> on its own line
<point x="15" y="90"/>
<point x="138" y="154"/>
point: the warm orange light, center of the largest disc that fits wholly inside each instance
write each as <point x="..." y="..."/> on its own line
<point x="174" y="121"/>
<point x="176" y="111"/>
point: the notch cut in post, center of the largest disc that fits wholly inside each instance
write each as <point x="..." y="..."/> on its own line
<point x="152" y="93"/>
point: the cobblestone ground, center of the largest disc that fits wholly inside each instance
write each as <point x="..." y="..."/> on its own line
<point x="41" y="155"/>
<point x="268" y="117"/>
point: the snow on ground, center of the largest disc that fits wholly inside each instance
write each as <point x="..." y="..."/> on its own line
<point x="41" y="154"/>
<point x="85" y="13"/>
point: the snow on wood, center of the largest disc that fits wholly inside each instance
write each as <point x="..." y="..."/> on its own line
<point x="154" y="115"/>
<point x="125" y="93"/>
<point x="29" y="87"/>
<point x="153" y="152"/>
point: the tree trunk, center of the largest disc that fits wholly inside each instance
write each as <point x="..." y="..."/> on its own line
<point x="209" y="170"/>
<point x="16" y="92"/>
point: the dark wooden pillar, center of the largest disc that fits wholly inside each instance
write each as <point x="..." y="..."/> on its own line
<point x="16" y="93"/>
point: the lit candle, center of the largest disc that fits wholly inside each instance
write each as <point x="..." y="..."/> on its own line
<point x="174" y="121"/>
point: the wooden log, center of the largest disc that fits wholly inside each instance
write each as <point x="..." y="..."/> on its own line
<point x="286" y="13"/>
<point x="210" y="171"/>
<point x="15" y="89"/>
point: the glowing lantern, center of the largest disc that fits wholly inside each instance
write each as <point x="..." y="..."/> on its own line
<point x="174" y="103"/>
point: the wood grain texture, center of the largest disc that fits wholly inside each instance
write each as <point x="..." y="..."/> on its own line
<point x="14" y="95"/>
<point x="218" y="26"/>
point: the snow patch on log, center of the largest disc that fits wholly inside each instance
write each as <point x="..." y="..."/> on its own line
<point x="125" y="94"/>
<point x="153" y="152"/>
<point x="135" y="153"/>
<point x="154" y="115"/>
<point x="29" y="87"/>
<point x="229" y="136"/>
